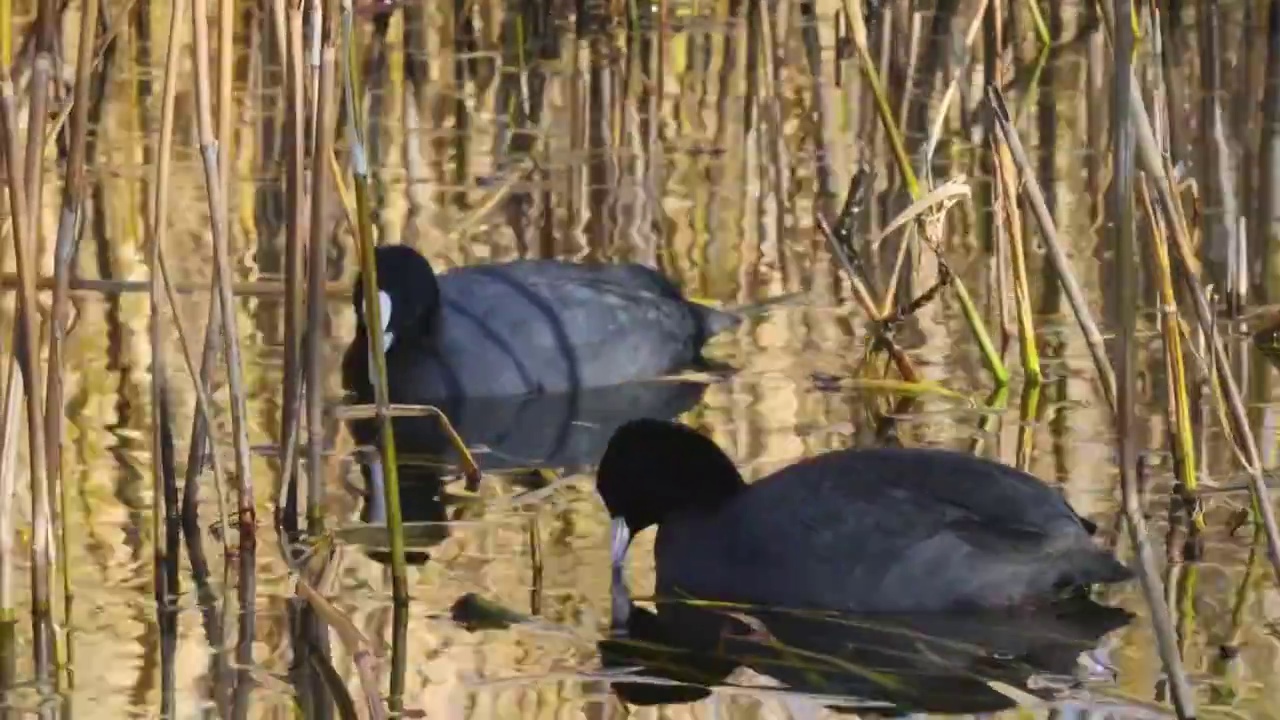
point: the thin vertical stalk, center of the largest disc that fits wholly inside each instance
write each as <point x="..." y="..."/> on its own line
<point x="1180" y="403"/>
<point x="73" y="193"/>
<point x="163" y="481"/>
<point x="1219" y="219"/>
<point x="373" y="310"/>
<point x="322" y="148"/>
<point x="226" y="78"/>
<point x="1120" y="207"/>
<point x="294" y="271"/>
<point x="27" y="350"/>
<point x="1007" y="192"/>
<point x="46" y="27"/>
<point x="222" y="266"/>
<point x="9" y="409"/>
<point x="1269" y="214"/>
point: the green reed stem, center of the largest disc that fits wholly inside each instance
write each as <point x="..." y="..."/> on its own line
<point x="372" y="308"/>
<point x="1180" y="412"/>
<point x="1042" y="28"/>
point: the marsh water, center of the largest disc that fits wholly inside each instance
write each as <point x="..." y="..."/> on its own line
<point x="713" y="173"/>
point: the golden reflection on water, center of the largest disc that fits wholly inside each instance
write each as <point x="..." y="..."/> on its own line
<point x="727" y="210"/>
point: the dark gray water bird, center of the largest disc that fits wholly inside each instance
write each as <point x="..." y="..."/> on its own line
<point x="864" y="530"/>
<point x="528" y="326"/>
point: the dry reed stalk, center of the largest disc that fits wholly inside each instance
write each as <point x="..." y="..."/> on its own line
<point x="373" y="313"/>
<point x="165" y="565"/>
<point x="201" y="442"/>
<point x="1056" y="254"/>
<point x="1120" y="209"/>
<point x="10" y="406"/>
<point x="225" y="131"/>
<point x="222" y="267"/>
<point x="27" y="349"/>
<point x="295" y="269"/>
<point x="204" y="410"/>
<point x="73" y="194"/>
<point x="322" y="147"/>
<point x="1006" y="192"/>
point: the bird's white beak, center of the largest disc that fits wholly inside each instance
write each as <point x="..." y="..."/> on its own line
<point x="619" y="593"/>
<point x="384" y="307"/>
<point x="620" y="539"/>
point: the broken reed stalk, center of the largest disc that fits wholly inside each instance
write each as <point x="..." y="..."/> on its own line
<point x="294" y="269"/>
<point x="1006" y="195"/>
<point x="157" y="229"/>
<point x="1056" y="254"/>
<point x="1120" y="209"/>
<point x="73" y="194"/>
<point x="322" y="147"/>
<point x="1153" y="163"/>
<point x="840" y="240"/>
<point x="222" y="266"/>
<point x="27" y="349"/>
<point x="372" y="307"/>
<point x="989" y="353"/>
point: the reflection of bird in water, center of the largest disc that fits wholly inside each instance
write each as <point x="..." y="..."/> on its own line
<point x="422" y="509"/>
<point x="562" y="431"/>
<point x="514" y="436"/>
<point x="938" y="662"/>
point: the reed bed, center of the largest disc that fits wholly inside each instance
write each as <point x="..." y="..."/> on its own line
<point x="301" y="96"/>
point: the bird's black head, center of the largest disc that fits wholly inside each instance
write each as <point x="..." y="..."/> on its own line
<point x="653" y="469"/>
<point x="408" y="292"/>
